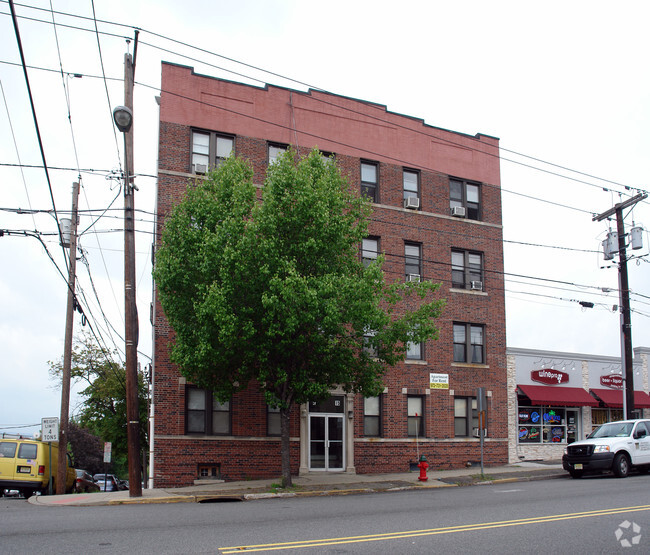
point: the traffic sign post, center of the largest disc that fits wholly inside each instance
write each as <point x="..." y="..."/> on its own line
<point x="108" y="446"/>
<point x="50" y="433"/>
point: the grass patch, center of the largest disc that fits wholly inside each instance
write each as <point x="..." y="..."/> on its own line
<point x="278" y="488"/>
<point x="482" y="477"/>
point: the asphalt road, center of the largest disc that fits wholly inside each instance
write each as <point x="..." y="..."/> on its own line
<point x="592" y="515"/>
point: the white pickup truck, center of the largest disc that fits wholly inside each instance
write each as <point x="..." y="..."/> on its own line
<point x="616" y="446"/>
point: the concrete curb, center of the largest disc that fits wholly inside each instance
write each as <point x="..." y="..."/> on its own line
<point x="164" y="496"/>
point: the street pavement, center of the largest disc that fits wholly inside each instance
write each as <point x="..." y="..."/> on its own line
<point x="315" y="484"/>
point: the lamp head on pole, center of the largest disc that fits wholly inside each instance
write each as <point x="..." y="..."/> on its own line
<point x="123" y="118"/>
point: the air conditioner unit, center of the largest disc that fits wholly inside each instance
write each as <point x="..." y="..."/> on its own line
<point x="475" y="432"/>
<point x="412" y="202"/>
<point x="476" y="285"/>
<point x="413" y="277"/>
<point x="458" y="211"/>
<point x="200" y="168"/>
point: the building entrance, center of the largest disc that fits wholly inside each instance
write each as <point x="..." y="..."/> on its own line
<point x="327" y="435"/>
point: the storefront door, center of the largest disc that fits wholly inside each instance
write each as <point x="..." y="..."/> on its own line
<point x="572" y="425"/>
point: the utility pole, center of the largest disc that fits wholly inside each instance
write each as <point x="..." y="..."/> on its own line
<point x="130" y="307"/>
<point x="624" y="293"/>
<point x="61" y="468"/>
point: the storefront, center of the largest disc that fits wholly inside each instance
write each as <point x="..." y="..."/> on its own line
<point x="558" y="398"/>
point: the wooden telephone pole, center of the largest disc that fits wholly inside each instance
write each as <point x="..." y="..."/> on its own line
<point x="627" y="355"/>
<point x="130" y="307"/>
<point x="67" y="349"/>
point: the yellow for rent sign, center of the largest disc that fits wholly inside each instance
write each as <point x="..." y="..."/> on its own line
<point x="439" y="381"/>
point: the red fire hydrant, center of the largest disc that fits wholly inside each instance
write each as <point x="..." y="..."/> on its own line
<point x="423" y="469"/>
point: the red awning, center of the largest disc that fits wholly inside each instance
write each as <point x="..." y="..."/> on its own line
<point x="613" y="398"/>
<point x="558" y="396"/>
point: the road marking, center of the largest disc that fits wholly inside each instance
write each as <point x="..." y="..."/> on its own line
<point x="508" y="490"/>
<point x="432" y="531"/>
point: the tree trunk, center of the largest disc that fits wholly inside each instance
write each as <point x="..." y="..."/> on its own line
<point x="285" y="446"/>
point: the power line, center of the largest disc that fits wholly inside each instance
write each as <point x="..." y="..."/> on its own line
<point x="327" y="92"/>
<point x="38" y="132"/>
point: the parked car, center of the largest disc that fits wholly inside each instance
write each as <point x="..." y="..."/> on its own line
<point x="123" y="485"/>
<point x="84" y="483"/>
<point x="106" y="482"/>
<point x="616" y="446"/>
<point x="25" y="465"/>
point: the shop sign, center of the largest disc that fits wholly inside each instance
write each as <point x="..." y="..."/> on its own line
<point x="549" y="376"/>
<point x="613" y="381"/>
<point x="439" y="381"/>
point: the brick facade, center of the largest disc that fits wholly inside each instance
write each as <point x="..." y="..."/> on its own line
<point x="354" y="131"/>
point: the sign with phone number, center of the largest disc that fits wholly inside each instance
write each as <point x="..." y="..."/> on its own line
<point x="439" y="381"/>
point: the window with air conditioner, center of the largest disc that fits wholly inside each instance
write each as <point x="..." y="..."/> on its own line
<point x="413" y="261"/>
<point x="467" y="270"/>
<point x="411" y="189"/>
<point x="209" y="150"/>
<point x="465" y="199"/>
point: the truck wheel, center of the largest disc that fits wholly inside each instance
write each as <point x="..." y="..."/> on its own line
<point x="27" y="493"/>
<point x="575" y="473"/>
<point x="621" y="466"/>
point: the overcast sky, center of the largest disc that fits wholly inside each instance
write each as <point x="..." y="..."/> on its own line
<point x="564" y="83"/>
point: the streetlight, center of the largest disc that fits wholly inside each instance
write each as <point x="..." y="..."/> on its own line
<point x="123" y="118"/>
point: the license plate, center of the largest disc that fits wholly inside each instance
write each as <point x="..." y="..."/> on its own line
<point x="578" y="466"/>
<point x="24" y="469"/>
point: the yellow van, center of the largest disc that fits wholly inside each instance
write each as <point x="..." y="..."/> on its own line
<point x="25" y="466"/>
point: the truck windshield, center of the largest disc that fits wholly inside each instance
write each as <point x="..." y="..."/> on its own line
<point x="614" y="429"/>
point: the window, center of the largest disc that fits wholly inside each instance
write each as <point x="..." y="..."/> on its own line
<point x="411" y="181"/>
<point x="463" y="194"/>
<point x="414" y="351"/>
<point x="412" y="261"/>
<point x="415" y="420"/>
<point x="465" y="416"/>
<point x="369" y="250"/>
<point x="27" y="451"/>
<point x="541" y="425"/>
<point x="372" y="416"/>
<point x="369" y="180"/>
<point x="209" y="150"/>
<point x="467" y="270"/>
<point x="275" y="151"/>
<point x="368" y="347"/>
<point x="469" y="344"/>
<point x="7" y="450"/>
<point x="205" y="414"/>
<point x="272" y="421"/>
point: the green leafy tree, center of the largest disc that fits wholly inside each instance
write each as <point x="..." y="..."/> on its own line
<point x="274" y="290"/>
<point x="103" y="407"/>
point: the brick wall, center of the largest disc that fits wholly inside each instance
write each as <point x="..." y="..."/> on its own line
<point x="177" y="454"/>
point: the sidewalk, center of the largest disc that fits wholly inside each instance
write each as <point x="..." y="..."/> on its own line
<point x="315" y="484"/>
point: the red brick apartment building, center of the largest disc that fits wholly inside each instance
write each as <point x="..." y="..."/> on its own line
<point x="437" y="216"/>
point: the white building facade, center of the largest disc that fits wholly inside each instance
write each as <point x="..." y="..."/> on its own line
<point x="556" y="398"/>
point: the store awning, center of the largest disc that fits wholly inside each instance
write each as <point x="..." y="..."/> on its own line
<point x="558" y="396"/>
<point x="613" y="398"/>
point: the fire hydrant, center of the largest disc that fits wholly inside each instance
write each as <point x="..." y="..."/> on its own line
<point x="423" y="469"/>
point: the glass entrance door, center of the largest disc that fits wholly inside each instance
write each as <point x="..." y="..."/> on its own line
<point x="572" y="425"/>
<point x="326" y="442"/>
